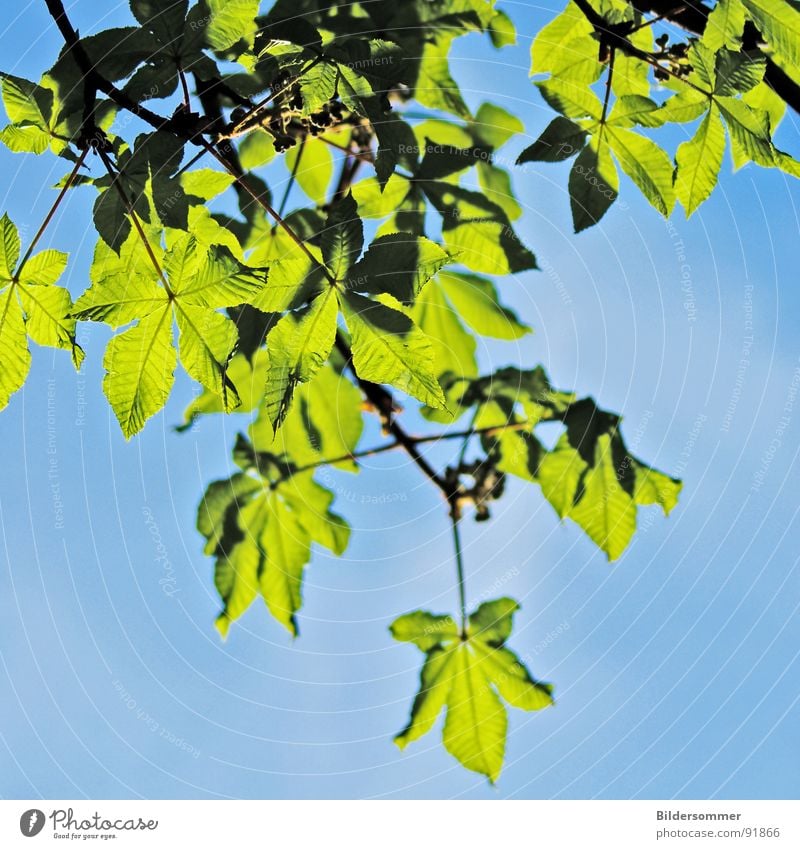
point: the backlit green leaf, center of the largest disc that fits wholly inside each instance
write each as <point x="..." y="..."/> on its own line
<point x="389" y="348"/>
<point x="698" y="162"/>
<point x="469" y="675"/>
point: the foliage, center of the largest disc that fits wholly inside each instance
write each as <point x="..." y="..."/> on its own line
<point x="283" y="313"/>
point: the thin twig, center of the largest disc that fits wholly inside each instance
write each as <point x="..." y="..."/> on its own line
<point x="49" y="217"/>
<point x="363" y="155"/>
<point x="135" y="219"/>
<point x="273" y="213"/>
<point x="462" y="593"/>
<point x="417" y="440"/>
<point x="185" y="87"/>
<point x="292" y="178"/>
<point x="248" y="121"/>
<point x="616" y="40"/>
<point x="650" y="21"/>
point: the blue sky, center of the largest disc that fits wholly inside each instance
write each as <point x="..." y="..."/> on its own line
<point x="676" y="668"/>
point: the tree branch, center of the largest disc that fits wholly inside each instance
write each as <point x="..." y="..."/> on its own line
<point x="693" y="18"/>
<point x="462" y="592"/>
<point x="96" y="80"/>
<point x="380" y="398"/>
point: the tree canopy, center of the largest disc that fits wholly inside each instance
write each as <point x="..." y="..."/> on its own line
<point x="196" y="125"/>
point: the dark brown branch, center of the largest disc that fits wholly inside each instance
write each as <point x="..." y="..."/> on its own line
<point x="263" y="203"/>
<point x="384" y="405"/>
<point x="96" y="80"/>
<point x="693" y="18"/>
<point x="380" y="398"/>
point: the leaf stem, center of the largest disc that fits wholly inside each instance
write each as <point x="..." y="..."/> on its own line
<point x="292" y="178"/>
<point x="184" y="86"/>
<point x="135" y="219"/>
<point x="363" y="155"/>
<point x="49" y="217"/>
<point x="467" y="437"/>
<point x="247" y="122"/>
<point x="462" y="592"/>
<point x="615" y="39"/>
<point x="609" y="79"/>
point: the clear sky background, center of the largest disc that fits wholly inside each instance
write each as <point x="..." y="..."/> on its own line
<point x="676" y="668"/>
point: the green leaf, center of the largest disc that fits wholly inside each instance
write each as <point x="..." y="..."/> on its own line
<point x="16" y="358"/>
<point x="389" y="348"/>
<point x="343" y="237"/>
<point x="128" y="287"/>
<point x="375" y="201"/>
<point x="140" y="365"/>
<point x="453" y="347"/>
<point x="512" y="390"/>
<point x="207" y="342"/>
<point x="323" y="424"/>
<point x="779" y="23"/>
<point x="496" y="185"/>
<point x="9" y="247"/>
<point x="28" y="107"/>
<point x="636" y="109"/>
<point x="494" y="126"/>
<point x="230" y="22"/>
<point x="298" y="346"/>
<point x="248" y="378"/>
<point x="571" y="99"/>
<point x="591" y="478"/>
<point x="698" y="162"/>
<point x="290" y="283"/>
<point x="469" y="675"/>
<point x="312" y="163"/>
<point x="492" y="622"/>
<point x="318" y="85"/>
<point x="593" y="184"/>
<point x="646" y="164"/>
<point x="260" y="527"/>
<point x="164" y="19"/>
<point x="434" y="86"/>
<point x="560" y="140"/>
<point x="256" y="149"/>
<point x="631" y="74"/>
<point x="735" y="73"/>
<point x="489" y="247"/>
<point x="566" y="48"/>
<point x="205" y="183"/>
<point x="123" y="286"/>
<point x="685" y="106"/>
<point x="725" y="25"/>
<point x="146" y="178"/>
<point x="749" y="131"/>
<point x="30" y="307"/>
<point x="477" y="302"/>
<point x="397" y="264"/>
<point x="501" y="30"/>
<point x="425" y="630"/>
<point x="44" y="268"/>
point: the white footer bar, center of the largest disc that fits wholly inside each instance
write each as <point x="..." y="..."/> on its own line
<point x="402" y="824"/>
